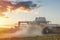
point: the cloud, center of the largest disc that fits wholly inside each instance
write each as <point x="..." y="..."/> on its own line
<point x="9" y="5"/>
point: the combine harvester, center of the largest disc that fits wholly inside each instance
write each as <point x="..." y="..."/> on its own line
<point x="37" y="27"/>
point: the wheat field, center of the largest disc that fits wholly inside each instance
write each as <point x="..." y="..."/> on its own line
<point x="44" y="37"/>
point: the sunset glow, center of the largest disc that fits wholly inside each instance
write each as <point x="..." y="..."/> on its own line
<point x="29" y="19"/>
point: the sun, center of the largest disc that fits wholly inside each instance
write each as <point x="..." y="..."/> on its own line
<point x="5" y="23"/>
<point x="2" y="22"/>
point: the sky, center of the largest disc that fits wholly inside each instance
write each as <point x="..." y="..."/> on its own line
<point x="49" y="9"/>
